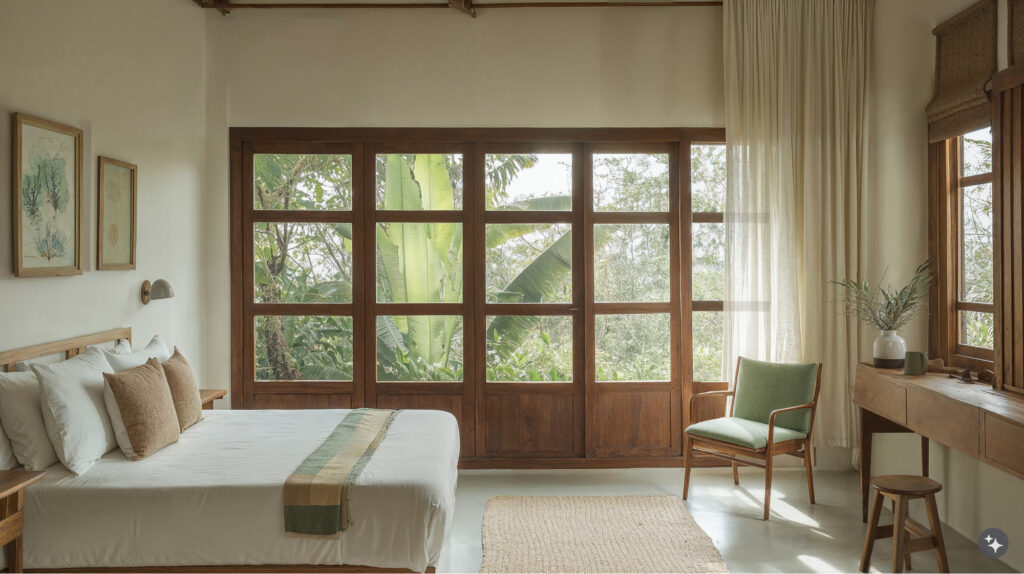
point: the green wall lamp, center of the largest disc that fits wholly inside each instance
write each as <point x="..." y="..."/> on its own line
<point x="159" y="289"/>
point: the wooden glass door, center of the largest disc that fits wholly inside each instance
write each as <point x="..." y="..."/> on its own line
<point x="632" y="291"/>
<point x="530" y="297"/>
<point x="534" y="283"/>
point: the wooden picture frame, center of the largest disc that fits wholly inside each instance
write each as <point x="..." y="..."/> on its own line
<point x="117" y="214"/>
<point x="46" y="198"/>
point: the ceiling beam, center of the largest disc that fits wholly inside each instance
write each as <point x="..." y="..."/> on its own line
<point x="222" y="6"/>
<point x="464" y="6"/>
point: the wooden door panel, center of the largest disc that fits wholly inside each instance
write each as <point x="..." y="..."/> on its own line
<point x="529" y="424"/>
<point x="706" y="408"/>
<point x="634" y="423"/>
<point x="438" y="402"/>
<point x="301" y="401"/>
<point x="339" y="401"/>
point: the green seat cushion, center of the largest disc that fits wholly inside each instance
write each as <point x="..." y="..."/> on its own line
<point x="763" y="387"/>
<point x="741" y="432"/>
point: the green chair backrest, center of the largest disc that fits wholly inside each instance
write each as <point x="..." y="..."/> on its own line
<point x="763" y="387"/>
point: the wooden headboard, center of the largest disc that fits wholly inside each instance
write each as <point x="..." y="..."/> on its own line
<point x="70" y="347"/>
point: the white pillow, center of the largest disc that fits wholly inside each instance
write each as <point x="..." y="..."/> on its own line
<point x="71" y="393"/>
<point x="8" y="460"/>
<point x="23" y="420"/>
<point x="123" y="347"/>
<point x="123" y="362"/>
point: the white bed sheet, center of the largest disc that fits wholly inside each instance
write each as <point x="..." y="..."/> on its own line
<point x="216" y="497"/>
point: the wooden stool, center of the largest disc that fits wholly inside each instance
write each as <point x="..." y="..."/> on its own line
<point x="901" y="489"/>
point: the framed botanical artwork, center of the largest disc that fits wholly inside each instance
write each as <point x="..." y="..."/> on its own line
<point x="47" y="214"/>
<point x="115" y="225"/>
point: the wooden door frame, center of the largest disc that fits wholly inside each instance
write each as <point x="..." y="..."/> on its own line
<point x="363" y="389"/>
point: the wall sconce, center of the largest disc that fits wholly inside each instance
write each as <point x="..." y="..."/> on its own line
<point x="159" y="289"/>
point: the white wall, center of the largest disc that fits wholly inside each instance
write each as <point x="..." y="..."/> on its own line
<point x="130" y="74"/>
<point x="159" y="82"/>
<point x="439" y="68"/>
<point x="976" y="496"/>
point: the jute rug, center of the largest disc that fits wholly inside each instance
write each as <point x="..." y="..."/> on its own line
<point x="594" y="534"/>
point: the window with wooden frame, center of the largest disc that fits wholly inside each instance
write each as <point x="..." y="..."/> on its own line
<point x="963" y="309"/>
<point x="535" y="283"/>
<point x="707" y="233"/>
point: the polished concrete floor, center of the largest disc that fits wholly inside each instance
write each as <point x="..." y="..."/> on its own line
<point x="800" y="537"/>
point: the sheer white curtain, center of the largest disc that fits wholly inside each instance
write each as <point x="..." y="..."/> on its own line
<point x="796" y="89"/>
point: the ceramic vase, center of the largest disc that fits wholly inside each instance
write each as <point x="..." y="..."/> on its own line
<point x="890" y="350"/>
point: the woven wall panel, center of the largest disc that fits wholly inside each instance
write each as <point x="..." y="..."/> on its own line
<point x="965" y="59"/>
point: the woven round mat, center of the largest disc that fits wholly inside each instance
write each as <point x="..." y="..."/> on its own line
<point x="595" y="534"/>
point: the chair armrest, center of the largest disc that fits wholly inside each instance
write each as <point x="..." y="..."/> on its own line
<point x="707" y="394"/>
<point x="771" y="418"/>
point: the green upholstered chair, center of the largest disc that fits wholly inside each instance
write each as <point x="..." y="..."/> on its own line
<point x="772" y="413"/>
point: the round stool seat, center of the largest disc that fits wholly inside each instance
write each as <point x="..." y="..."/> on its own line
<point x="906" y="484"/>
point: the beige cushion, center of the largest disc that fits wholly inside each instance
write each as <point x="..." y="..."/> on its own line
<point x="184" y="390"/>
<point x="141" y="409"/>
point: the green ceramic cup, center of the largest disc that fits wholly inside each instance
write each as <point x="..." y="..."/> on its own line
<point x="916" y="363"/>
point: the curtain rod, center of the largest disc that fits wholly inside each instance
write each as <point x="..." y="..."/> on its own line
<point x="584" y="4"/>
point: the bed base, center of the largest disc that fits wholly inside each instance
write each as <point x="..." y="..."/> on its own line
<point x="272" y="568"/>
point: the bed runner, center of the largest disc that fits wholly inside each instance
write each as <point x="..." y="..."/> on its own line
<point x="316" y="495"/>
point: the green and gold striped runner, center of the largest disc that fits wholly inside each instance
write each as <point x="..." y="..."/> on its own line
<point x="316" y="495"/>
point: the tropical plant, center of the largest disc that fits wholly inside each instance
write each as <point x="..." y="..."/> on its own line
<point x="423" y="263"/>
<point x="886" y="308"/>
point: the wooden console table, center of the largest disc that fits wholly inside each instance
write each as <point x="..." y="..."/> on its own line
<point x="974" y="419"/>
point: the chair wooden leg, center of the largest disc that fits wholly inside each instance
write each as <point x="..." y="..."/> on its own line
<point x="767" y="482"/>
<point x="869" y="538"/>
<point x="936" y="528"/>
<point x="924" y="456"/>
<point x="687" y="463"/>
<point x="899" y="534"/>
<point x="810" y="473"/>
<point x="735" y="474"/>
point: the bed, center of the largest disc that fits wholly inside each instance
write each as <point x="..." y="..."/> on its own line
<point x="214" y="499"/>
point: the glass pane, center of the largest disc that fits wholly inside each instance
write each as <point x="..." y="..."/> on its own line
<point x="632" y="347"/>
<point x="708" y="337"/>
<point x="977" y="329"/>
<point x="419" y="348"/>
<point x="303" y="348"/>
<point x="529" y="263"/>
<point x="419" y="181"/>
<point x="302" y="181"/>
<point x="529" y="349"/>
<point x="529" y="182"/>
<point x="631" y="182"/>
<point x="976" y="237"/>
<point x="707" y="177"/>
<point x="631" y="262"/>
<point x="302" y="262"/>
<point x="419" y="262"/>
<point x="977" y="152"/>
<point x="708" y="261"/>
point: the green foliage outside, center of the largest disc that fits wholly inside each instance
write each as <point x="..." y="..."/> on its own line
<point x="977" y="329"/>
<point x="707" y="175"/>
<point x="423" y="262"/>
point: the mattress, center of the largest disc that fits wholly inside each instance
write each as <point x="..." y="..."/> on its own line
<point x="216" y="498"/>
